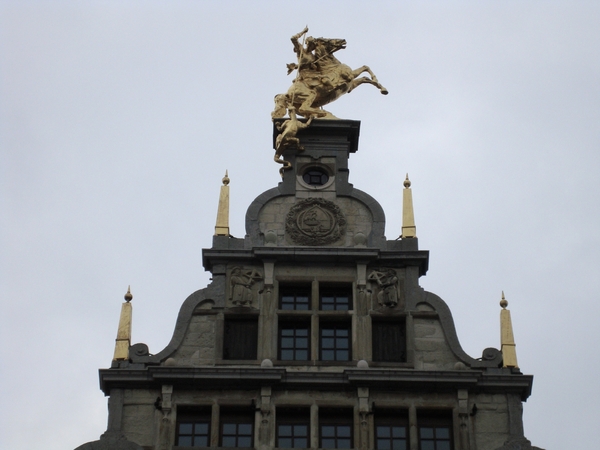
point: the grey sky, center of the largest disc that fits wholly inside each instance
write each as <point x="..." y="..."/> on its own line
<point x="119" y="119"/>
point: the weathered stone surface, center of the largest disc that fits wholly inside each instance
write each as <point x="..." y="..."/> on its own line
<point x="111" y="440"/>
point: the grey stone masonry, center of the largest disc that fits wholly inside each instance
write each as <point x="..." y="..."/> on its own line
<point x="315" y="317"/>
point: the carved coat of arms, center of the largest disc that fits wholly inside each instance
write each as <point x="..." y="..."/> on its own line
<point x="315" y="221"/>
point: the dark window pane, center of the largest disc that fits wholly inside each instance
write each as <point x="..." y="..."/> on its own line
<point x="399" y="431"/>
<point x="229" y="441"/>
<point x="338" y="298"/>
<point x="343" y="443"/>
<point x="442" y="433"/>
<point x="343" y="431"/>
<point x="443" y="445"/>
<point x="201" y="428"/>
<point x="427" y="445"/>
<point x="300" y="443"/>
<point x="293" y="341"/>
<point x="328" y="443"/>
<point x="185" y="428"/>
<point x="383" y="444"/>
<point x="300" y="430"/>
<point x="184" y="441"/>
<point x="229" y="428"/>
<point x="244" y="441"/>
<point x="292" y="427"/>
<point x="389" y="341"/>
<point x="391" y="430"/>
<point x="240" y="339"/>
<point x="328" y="355"/>
<point x="294" y="297"/>
<point x="201" y="441"/>
<point x="327" y="431"/>
<point x="335" y="341"/>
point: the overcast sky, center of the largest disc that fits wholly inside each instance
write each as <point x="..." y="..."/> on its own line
<point x="119" y="119"/>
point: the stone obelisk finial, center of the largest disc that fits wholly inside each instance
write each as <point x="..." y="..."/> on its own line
<point x="507" y="340"/>
<point x="222" y="226"/>
<point x="409" y="229"/>
<point x="123" y="340"/>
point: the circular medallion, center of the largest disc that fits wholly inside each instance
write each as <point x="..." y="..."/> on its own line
<point x="315" y="221"/>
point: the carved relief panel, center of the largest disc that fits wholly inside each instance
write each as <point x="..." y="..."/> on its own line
<point x="315" y="221"/>
<point x="387" y="289"/>
<point x="244" y="287"/>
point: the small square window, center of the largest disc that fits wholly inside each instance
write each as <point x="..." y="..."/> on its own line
<point x="294" y="297"/>
<point x="193" y="428"/>
<point x="237" y="429"/>
<point x="435" y="431"/>
<point x="335" y="298"/>
<point x="391" y="431"/>
<point x="334" y="344"/>
<point x="335" y="429"/>
<point x="294" y="341"/>
<point x="293" y="428"/>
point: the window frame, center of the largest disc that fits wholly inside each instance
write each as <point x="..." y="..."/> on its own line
<point x="436" y="420"/>
<point x="236" y="417"/>
<point x="193" y="416"/>
<point x="339" y="417"/>
<point x="287" y="324"/>
<point x="335" y="325"/>
<point x="295" y="290"/>
<point x="382" y="348"/>
<point x="335" y="291"/>
<point x="391" y="419"/>
<point x="248" y="337"/>
<point x="293" y="417"/>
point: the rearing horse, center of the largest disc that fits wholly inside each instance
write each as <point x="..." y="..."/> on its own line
<point x="327" y="81"/>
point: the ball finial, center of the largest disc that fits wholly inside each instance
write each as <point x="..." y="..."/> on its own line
<point x="406" y="182"/>
<point x="225" y="179"/>
<point x="128" y="297"/>
<point x="503" y="302"/>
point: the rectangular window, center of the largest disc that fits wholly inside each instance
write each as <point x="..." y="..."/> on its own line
<point x="435" y="431"/>
<point x="293" y="428"/>
<point x="334" y="343"/>
<point x="193" y="428"/>
<point x="389" y="341"/>
<point x="391" y="431"/>
<point x="335" y="297"/>
<point x="335" y="429"/>
<point x="294" y="297"/>
<point x="240" y="339"/>
<point x="237" y="429"/>
<point x="294" y="341"/>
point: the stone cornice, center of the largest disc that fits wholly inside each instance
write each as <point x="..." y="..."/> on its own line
<point x="254" y="377"/>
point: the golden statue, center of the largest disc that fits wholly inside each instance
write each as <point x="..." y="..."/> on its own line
<point x="320" y="78"/>
<point x="287" y="138"/>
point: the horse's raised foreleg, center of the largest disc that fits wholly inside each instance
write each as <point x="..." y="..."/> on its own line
<point x="373" y="80"/>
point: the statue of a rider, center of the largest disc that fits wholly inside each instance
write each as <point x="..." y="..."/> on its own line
<point x="320" y="79"/>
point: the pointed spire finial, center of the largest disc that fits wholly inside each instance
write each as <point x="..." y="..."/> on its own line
<point x="409" y="229"/>
<point x="222" y="226"/>
<point x="507" y="340"/>
<point x="128" y="297"/>
<point x="503" y="302"/>
<point x="123" y="340"/>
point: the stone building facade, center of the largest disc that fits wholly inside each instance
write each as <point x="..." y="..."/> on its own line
<point x="314" y="333"/>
